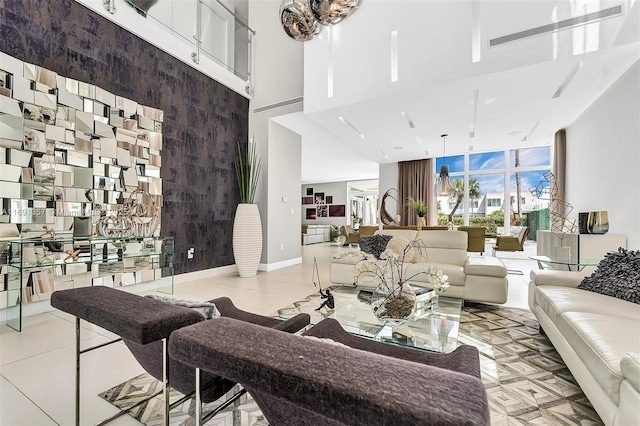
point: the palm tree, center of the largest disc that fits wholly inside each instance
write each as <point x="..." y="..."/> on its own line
<point x="457" y="193"/>
<point x="474" y="191"/>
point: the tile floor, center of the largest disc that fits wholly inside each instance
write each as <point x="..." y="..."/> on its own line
<point x="37" y="365"/>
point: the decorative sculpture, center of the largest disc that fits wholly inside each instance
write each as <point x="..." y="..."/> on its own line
<point x="385" y="217"/>
<point x="144" y="218"/>
<point x="559" y="209"/>
<point x="298" y="21"/>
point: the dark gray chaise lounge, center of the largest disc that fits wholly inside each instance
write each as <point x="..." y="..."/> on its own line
<point x="145" y="324"/>
<point x="300" y="381"/>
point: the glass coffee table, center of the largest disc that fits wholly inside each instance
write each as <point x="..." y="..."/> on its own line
<point x="434" y="328"/>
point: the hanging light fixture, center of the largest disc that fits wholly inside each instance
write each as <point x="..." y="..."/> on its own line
<point x="330" y="12"/>
<point x="303" y="20"/>
<point x="298" y="21"/>
<point x="443" y="183"/>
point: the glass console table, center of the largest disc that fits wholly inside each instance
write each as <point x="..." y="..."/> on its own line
<point x="434" y="329"/>
<point x="576" y="264"/>
<point x="34" y="268"/>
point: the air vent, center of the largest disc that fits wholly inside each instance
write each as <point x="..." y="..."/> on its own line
<point x="561" y="25"/>
<point x="278" y="105"/>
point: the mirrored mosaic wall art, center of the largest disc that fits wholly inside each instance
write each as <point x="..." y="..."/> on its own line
<point x="202" y="120"/>
<point x="75" y="158"/>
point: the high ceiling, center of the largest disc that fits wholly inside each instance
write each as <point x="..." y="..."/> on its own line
<point x="515" y="94"/>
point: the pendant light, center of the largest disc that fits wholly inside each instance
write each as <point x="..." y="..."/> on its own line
<point x="443" y="183"/>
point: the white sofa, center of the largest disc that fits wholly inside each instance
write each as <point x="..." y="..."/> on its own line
<point x="312" y="234"/>
<point x="597" y="336"/>
<point x="478" y="278"/>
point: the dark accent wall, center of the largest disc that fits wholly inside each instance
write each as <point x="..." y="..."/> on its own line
<point x="202" y="118"/>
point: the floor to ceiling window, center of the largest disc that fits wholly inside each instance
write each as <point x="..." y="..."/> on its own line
<point x="497" y="190"/>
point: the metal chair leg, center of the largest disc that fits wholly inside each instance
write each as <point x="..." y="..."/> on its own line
<point x="198" y="413"/>
<point x="77" y="371"/>
<point x="165" y="380"/>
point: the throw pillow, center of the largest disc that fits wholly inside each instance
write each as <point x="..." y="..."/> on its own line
<point x="374" y="244"/>
<point x="617" y="275"/>
<point x="207" y="309"/>
<point x="403" y="248"/>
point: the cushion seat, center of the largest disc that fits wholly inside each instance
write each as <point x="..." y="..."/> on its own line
<point x="485" y="266"/>
<point x="557" y="300"/>
<point x="600" y="345"/>
<point x="455" y="273"/>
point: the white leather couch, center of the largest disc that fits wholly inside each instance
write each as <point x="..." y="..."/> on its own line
<point x="472" y="277"/>
<point x="312" y="234"/>
<point x="597" y="336"/>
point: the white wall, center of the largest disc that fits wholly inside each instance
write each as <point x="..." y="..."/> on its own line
<point x="277" y="77"/>
<point x="283" y="243"/>
<point x="603" y="158"/>
<point x="338" y="190"/>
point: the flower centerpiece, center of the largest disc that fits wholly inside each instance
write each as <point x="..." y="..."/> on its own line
<point x="393" y="299"/>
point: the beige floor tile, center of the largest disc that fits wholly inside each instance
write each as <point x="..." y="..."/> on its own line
<point x="48" y="379"/>
<point x="40" y="333"/>
<point x="17" y="410"/>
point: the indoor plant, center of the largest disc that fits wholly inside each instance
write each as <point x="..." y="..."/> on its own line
<point x="420" y="207"/>
<point x="247" y="227"/>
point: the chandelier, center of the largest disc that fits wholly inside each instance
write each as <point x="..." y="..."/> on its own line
<point x="302" y="20"/>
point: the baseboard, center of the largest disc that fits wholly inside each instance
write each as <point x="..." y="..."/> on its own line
<point x="279" y="265"/>
<point x="205" y="273"/>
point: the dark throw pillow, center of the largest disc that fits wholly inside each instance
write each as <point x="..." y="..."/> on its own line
<point x="374" y="244"/>
<point x="617" y="275"/>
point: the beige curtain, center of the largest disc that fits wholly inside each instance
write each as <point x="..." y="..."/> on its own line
<point x="558" y="168"/>
<point x="415" y="179"/>
<point x="559" y="160"/>
<point x="432" y="214"/>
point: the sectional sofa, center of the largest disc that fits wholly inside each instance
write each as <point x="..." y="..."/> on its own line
<point x="598" y="338"/>
<point x="472" y="277"/>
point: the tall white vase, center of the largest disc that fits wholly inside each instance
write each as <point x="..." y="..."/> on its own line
<point x="247" y="239"/>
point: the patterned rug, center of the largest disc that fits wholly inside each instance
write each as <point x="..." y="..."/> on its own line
<point x="526" y="380"/>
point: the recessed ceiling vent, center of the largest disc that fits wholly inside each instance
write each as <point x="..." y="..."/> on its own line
<point x="556" y="26"/>
<point x="278" y="105"/>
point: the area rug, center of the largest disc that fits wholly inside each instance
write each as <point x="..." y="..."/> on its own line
<point x="526" y="380"/>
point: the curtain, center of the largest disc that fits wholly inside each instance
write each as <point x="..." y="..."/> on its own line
<point x="559" y="160"/>
<point x="558" y="168"/>
<point x="432" y="204"/>
<point x="415" y="179"/>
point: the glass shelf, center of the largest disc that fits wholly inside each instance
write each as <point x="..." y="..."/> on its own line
<point x="34" y="268"/>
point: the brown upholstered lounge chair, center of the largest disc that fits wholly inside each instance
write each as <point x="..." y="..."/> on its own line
<point x="509" y="243"/>
<point x="145" y="326"/>
<point x="352" y="236"/>
<point x="475" y="242"/>
<point x="300" y="381"/>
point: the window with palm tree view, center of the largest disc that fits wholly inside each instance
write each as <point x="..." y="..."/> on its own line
<point x="493" y="190"/>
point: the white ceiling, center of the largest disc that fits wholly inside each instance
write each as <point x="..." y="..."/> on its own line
<point x="438" y="82"/>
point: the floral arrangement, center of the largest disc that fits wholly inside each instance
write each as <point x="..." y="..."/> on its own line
<point x="439" y="280"/>
<point x="389" y="274"/>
